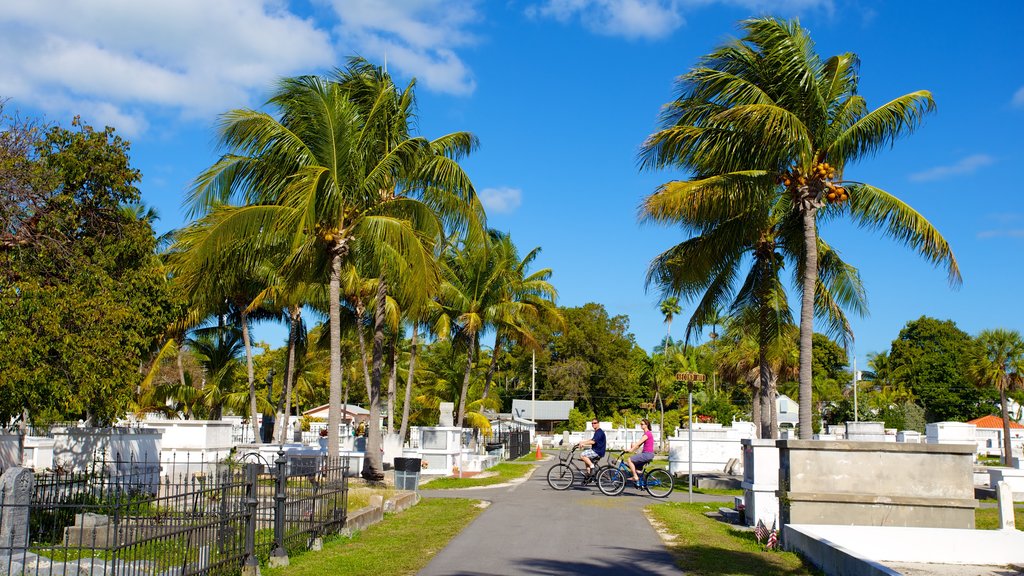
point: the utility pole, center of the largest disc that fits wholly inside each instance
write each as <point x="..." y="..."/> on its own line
<point x="533" y="390"/>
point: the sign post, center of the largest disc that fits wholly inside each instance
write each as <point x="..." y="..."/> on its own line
<point x="689" y="378"/>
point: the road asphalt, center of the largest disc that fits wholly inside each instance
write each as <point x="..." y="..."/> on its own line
<point x="529" y="528"/>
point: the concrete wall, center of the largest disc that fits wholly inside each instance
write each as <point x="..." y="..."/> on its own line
<point x="876" y="484"/>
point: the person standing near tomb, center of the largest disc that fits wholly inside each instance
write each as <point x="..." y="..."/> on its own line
<point x="641" y="459"/>
<point x="596" y="449"/>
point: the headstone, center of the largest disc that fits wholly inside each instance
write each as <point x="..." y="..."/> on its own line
<point x="16" y="487"/>
<point x="1005" y="496"/>
<point x="447" y="414"/>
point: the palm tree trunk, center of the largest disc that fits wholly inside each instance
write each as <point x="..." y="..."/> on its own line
<point x="807" y="319"/>
<point x="181" y="369"/>
<point x="252" y="379"/>
<point x="492" y="366"/>
<point x="755" y="406"/>
<point x="1007" y="447"/>
<point x="334" y="401"/>
<point x="465" y="380"/>
<point x="773" y="387"/>
<point x="373" y="465"/>
<point x="764" y="376"/>
<point x="408" y="385"/>
<point x="295" y="316"/>
<point x="360" y="310"/>
<point x="392" y="386"/>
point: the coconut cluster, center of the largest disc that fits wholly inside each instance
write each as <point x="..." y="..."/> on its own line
<point x="821" y="177"/>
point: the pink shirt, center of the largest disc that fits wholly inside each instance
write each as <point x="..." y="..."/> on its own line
<point x="649" y="442"/>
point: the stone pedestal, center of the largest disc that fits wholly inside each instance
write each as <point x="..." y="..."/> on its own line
<point x="1012" y="477"/>
<point x="760" y="481"/>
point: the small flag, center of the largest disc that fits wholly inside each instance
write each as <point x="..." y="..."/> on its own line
<point x="773" y="539"/>
<point x="760" y="531"/>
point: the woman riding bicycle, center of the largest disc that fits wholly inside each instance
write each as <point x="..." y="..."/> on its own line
<point x="647" y="442"/>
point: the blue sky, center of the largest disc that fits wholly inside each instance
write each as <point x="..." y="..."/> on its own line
<point x="561" y="94"/>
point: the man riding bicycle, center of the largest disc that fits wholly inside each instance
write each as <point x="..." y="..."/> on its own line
<point x="597" y="447"/>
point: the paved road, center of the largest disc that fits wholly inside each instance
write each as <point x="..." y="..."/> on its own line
<point x="531" y="529"/>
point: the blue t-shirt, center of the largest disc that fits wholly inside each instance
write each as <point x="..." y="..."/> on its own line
<point x="599" y="442"/>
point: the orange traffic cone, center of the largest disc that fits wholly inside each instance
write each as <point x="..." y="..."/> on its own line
<point x="538" y="451"/>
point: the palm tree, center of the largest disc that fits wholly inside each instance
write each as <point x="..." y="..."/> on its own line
<point x="471" y="299"/>
<point x="337" y="169"/>
<point x="669" y="308"/>
<point x="532" y="290"/>
<point x="764" y="119"/>
<point x="1000" y="363"/>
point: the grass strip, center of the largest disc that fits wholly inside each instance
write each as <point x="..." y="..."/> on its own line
<point x="504" y="473"/>
<point x="988" y="518"/>
<point x="704" y="546"/>
<point x="402" y="544"/>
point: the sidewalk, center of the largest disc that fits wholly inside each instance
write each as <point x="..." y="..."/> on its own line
<point x="531" y="529"/>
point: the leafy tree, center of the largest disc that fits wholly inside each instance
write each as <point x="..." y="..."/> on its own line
<point x="932" y="357"/>
<point x="596" y="362"/>
<point x="82" y="295"/>
<point x="999" y="363"/>
<point x="764" y="119"/>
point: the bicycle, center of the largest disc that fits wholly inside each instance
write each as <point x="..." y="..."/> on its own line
<point x="611" y="480"/>
<point x="565" y="473"/>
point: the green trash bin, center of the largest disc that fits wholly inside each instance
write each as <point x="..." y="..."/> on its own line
<point x="407" y="473"/>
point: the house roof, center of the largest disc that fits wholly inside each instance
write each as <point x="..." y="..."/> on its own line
<point x="992" y="421"/>
<point x="325" y="409"/>
<point x="546" y="409"/>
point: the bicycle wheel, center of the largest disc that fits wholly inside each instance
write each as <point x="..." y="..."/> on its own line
<point x="659" y="483"/>
<point x="560" y="477"/>
<point x="611" y="481"/>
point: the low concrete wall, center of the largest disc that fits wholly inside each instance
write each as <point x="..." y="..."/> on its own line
<point x="362" y="519"/>
<point x="401" y="502"/>
<point x="915" y="545"/>
<point x="830" y="557"/>
<point x="876" y="484"/>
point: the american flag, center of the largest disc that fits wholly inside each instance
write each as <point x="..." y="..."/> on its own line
<point x="773" y="538"/>
<point x="760" y="531"/>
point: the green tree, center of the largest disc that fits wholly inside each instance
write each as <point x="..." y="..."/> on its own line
<point x="999" y="363"/>
<point x="932" y="357"/>
<point x="763" y="119"/>
<point x="83" y="298"/>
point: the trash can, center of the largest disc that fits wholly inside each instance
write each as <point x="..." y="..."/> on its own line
<point x="407" y="473"/>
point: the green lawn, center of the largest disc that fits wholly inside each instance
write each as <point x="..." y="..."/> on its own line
<point x="703" y="546"/>
<point x="402" y="544"/>
<point x="505" y="472"/>
<point x="988" y="518"/>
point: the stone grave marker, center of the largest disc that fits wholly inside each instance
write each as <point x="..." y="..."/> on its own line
<point x="16" y="486"/>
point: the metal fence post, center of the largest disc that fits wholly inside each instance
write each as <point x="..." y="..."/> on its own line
<point x="250" y="565"/>
<point x="279" y="556"/>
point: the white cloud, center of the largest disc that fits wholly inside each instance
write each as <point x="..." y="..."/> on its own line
<point x="1018" y="98"/>
<point x="653" y="19"/>
<point x="110" y="60"/>
<point x="627" y="18"/>
<point x="418" y="37"/>
<point x="1005" y="222"/>
<point x="501" y="200"/>
<point x="1014" y="233"/>
<point x="966" y="165"/>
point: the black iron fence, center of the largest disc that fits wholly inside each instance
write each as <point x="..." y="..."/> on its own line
<point x="515" y="443"/>
<point x="113" y="519"/>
